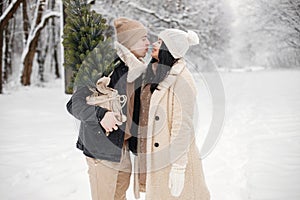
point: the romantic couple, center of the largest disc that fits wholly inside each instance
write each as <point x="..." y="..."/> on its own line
<point x="158" y="130"/>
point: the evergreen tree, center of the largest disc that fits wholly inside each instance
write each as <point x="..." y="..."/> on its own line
<point x="87" y="42"/>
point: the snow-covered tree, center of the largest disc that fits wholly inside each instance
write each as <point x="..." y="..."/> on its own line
<point x="281" y="20"/>
<point x="8" y="38"/>
<point x="39" y="22"/>
<point x="268" y="33"/>
<point x="6" y="14"/>
<point x="22" y="22"/>
<point x="48" y="47"/>
<point x="209" y="18"/>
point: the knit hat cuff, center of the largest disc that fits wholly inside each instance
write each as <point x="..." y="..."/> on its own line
<point x="130" y="37"/>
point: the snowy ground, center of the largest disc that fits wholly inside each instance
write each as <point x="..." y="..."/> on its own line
<point x="257" y="157"/>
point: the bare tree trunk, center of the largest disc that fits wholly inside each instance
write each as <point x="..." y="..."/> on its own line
<point x="12" y="39"/>
<point x="28" y="60"/>
<point x="42" y="52"/>
<point x="68" y="72"/>
<point x="25" y="21"/>
<point x="41" y="61"/>
<point x="3" y="23"/>
<point x="54" y="42"/>
<point x="1" y="44"/>
<point x="9" y="38"/>
<point x="7" y="53"/>
<point x="56" y="63"/>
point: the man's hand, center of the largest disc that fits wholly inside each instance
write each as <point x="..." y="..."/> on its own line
<point x="110" y="122"/>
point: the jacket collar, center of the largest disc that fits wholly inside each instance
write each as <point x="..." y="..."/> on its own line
<point x="167" y="82"/>
<point x="136" y="66"/>
<point x="171" y="78"/>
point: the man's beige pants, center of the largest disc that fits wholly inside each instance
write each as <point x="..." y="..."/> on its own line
<point x="109" y="180"/>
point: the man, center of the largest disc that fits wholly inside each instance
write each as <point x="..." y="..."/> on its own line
<point x="108" y="156"/>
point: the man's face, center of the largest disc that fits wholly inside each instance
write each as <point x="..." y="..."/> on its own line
<point x="140" y="48"/>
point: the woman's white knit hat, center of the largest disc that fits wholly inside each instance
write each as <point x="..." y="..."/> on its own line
<point x="178" y="41"/>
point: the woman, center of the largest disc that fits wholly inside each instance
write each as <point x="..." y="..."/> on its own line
<point x="168" y="159"/>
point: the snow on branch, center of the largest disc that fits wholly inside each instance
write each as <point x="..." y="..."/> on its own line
<point x="9" y="10"/>
<point x="34" y="18"/>
<point x="153" y="13"/>
<point x="37" y="29"/>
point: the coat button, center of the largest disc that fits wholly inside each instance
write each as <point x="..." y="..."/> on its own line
<point x="156" y="118"/>
<point x="156" y="144"/>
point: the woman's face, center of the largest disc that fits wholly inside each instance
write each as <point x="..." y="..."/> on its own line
<point x="156" y="47"/>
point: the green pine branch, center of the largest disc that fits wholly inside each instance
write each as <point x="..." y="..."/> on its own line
<point x="88" y="49"/>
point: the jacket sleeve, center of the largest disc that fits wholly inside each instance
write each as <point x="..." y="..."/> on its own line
<point x="78" y="107"/>
<point x="182" y="111"/>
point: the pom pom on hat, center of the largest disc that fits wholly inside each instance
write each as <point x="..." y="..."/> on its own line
<point x="192" y="37"/>
<point x="178" y="41"/>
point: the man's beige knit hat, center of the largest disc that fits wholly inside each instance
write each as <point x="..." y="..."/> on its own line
<point x="129" y="31"/>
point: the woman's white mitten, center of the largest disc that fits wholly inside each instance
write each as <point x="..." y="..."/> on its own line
<point x="176" y="179"/>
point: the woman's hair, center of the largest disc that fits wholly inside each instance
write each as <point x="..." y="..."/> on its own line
<point x="164" y="64"/>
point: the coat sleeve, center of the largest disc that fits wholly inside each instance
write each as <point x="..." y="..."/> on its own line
<point x="182" y="111"/>
<point x="78" y="107"/>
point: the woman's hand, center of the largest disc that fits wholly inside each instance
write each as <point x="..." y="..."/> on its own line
<point x="176" y="179"/>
